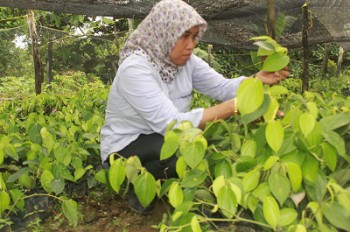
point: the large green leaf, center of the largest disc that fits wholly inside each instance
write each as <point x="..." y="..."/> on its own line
<point x="271" y="211"/>
<point x="132" y="167"/>
<point x="251" y="180"/>
<point x="4" y="201"/>
<point x="337" y="215"/>
<point x="45" y="180"/>
<point x="337" y="142"/>
<point x="310" y="168"/>
<point x="175" y="194"/>
<point x="145" y="188"/>
<point x="335" y="121"/>
<point x="116" y="174"/>
<point x="274" y="135"/>
<point x="223" y="168"/>
<point x="329" y="155"/>
<point x="280" y="187"/>
<point x="287" y="216"/>
<point x="248" y="118"/>
<point x="306" y="123"/>
<point x="171" y="143"/>
<point x="275" y="62"/>
<point x="47" y="139"/>
<point x="250" y="95"/>
<point x="295" y="175"/>
<point x="249" y="148"/>
<point x="193" y="153"/>
<point x="57" y="185"/>
<point x="70" y="210"/>
<point x="271" y="112"/>
<point x="227" y="201"/>
<point x="193" y="178"/>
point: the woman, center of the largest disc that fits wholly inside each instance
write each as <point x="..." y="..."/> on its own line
<point x="154" y="83"/>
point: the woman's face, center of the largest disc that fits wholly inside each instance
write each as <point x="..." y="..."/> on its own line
<point x="183" y="48"/>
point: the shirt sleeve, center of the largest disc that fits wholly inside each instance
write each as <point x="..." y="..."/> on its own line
<point x="207" y="81"/>
<point x="139" y="85"/>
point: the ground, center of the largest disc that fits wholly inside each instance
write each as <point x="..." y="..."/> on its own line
<point x="107" y="212"/>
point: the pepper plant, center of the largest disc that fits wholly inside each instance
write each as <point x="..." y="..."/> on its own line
<point x="286" y="173"/>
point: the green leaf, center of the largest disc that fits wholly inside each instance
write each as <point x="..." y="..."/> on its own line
<point x="329" y="155"/>
<point x="337" y="215"/>
<point x="306" y="123"/>
<point x="171" y="143"/>
<point x="132" y="167"/>
<point x="275" y="62"/>
<point x="17" y="196"/>
<point x="193" y="178"/>
<point x="193" y="153"/>
<point x="70" y="211"/>
<point x="116" y="174"/>
<point x="312" y="107"/>
<point x="335" y="121"/>
<point x="274" y="135"/>
<point x="4" y="201"/>
<point x="218" y="183"/>
<point x="270" y="162"/>
<point x="34" y="133"/>
<point x="248" y="118"/>
<point x="45" y="180"/>
<point x="47" y="139"/>
<point x="249" y="148"/>
<point x="295" y="176"/>
<point x="17" y="175"/>
<point x="2" y="155"/>
<point x="181" y="166"/>
<point x="175" y="194"/>
<point x="287" y="217"/>
<point x="145" y="188"/>
<point x="250" y="95"/>
<point x="316" y="210"/>
<point x="102" y="176"/>
<point x="337" y="142"/>
<point x="79" y="173"/>
<point x="262" y="191"/>
<point x="227" y="201"/>
<point x="271" y="112"/>
<point x="310" y="168"/>
<point x="195" y="225"/>
<point x="223" y="168"/>
<point x="271" y="211"/>
<point x="251" y="180"/>
<point x="57" y="185"/>
<point x="280" y="187"/>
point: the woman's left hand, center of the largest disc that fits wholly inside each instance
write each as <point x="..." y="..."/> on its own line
<point x="272" y="78"/>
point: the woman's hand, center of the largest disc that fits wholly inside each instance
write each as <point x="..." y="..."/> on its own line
<point x="272" y="78"/>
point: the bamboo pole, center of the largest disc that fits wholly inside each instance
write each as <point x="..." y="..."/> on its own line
<point x="305" y="44"/>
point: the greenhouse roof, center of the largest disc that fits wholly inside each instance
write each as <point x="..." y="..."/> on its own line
<point x="231" y="22"/>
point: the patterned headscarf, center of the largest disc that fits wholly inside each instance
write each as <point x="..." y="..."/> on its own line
<point x="158" y="33"/>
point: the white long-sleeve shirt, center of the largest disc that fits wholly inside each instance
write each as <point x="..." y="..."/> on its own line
<point x="140" y="102"/>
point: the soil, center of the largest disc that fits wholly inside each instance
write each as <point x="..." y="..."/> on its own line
<point x="106" y="212"/>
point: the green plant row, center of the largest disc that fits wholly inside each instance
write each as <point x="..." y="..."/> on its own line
<point x="48" y="143"/>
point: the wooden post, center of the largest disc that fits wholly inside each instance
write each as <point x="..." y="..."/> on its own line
<point x="49" y="62"/>
<point x="38" y="67"/>
<point x="305" y="44"/>
<point x="271" y="18"/>
<point x="325" y="61"/>
<point x="340" y="61"/>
